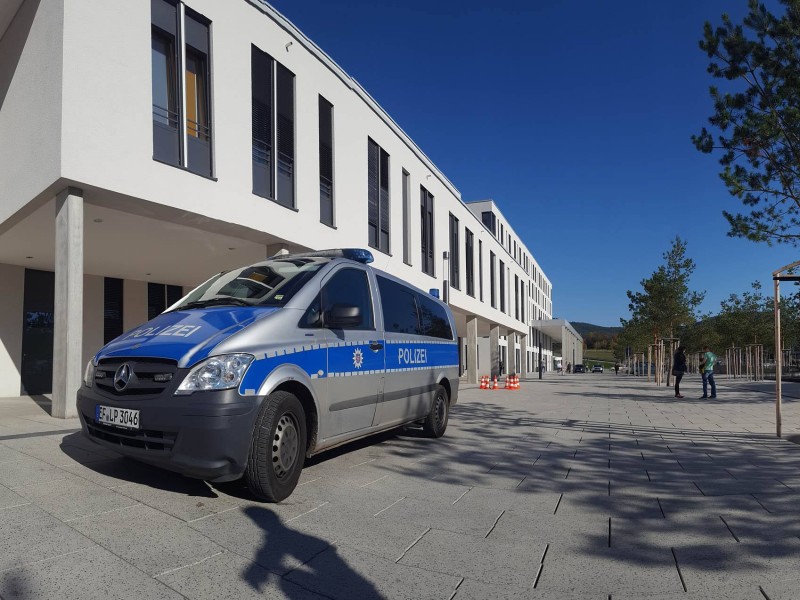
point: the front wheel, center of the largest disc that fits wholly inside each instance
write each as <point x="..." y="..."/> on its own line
<point x="278" y="447"/>
<point x="436" y="421"/>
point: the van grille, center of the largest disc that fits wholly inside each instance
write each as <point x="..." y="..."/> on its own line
<point x="147" y="439"/>
<point x="149" y="377"/>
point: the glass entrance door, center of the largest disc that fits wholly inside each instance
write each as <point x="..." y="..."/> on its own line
<point x="38" y="314"/>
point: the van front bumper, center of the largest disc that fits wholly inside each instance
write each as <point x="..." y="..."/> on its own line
<point x="205" y="435"/>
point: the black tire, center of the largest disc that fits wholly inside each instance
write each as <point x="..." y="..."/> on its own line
<point x="436" y="422"/>
<point x="278" y="447"/>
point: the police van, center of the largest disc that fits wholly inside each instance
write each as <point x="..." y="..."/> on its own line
<point x="260" y="367"/>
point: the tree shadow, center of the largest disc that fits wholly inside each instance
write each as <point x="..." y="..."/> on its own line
<point x="316" y="564"/>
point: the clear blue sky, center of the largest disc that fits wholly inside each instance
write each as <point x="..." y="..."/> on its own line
<point x="575" y="116"/>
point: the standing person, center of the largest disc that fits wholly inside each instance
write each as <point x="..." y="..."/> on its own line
<point x="616" y="368"/>
<point x="569" y="367"/>
<point x="707" y="362"/>
<point x="679" y="369"/>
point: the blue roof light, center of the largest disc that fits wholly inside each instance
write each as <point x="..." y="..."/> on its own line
<point x="358" y="255"/>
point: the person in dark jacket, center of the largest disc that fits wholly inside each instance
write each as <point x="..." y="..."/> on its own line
<point x="679" y="369"/>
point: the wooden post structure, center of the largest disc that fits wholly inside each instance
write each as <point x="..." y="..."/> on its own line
<point x="777" y="277"/>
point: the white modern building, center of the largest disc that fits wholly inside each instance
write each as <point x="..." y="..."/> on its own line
<point x="147" y="145"/>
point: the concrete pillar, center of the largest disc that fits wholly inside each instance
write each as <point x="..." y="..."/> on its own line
<point x="68" y="326"/>
<point x="523" y="343"/>
<point x="472" y="349"/>
<point x="494" y="349"/>
<point x="512" y="351"/>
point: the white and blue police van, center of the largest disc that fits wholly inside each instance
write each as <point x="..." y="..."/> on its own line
<point x="260" y="367"/>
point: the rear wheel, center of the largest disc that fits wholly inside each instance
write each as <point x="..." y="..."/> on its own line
<point x="436" y="421"/>
<point x="278" y="447"/>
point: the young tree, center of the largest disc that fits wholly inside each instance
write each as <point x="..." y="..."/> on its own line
<point x="756" y="124"/>
<point x="747" y="319"/>
<point x="666" y="302"/>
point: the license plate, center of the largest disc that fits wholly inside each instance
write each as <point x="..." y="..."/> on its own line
<point x="120" y="417"/>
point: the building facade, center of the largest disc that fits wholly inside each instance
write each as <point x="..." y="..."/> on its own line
<point x="147" y="145"/>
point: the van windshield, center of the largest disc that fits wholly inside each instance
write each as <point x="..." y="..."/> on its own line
<point x="270" y="283"/>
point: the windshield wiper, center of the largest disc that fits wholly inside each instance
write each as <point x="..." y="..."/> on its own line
<point x="214" y="302"/>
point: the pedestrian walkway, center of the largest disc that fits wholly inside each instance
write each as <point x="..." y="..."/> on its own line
<point x="587" y="486"/>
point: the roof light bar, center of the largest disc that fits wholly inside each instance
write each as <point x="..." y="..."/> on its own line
<point x="357" y="254"/>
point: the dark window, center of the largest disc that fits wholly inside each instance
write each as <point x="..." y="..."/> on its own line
<point x="325" y="162"/>
<point x="349" y="287"/>
<point x="273" y="128"/>
<point x="522" y="302"/>
<point x="426" y="221"/>
<point x="160" y="297"/>
<point x="378" y="196"/>
<point x="490" y="221"/>
<point x="434" y="318"/>
<point x="516" y="297"/>
<point x="400" y="313"/>
<point x="112" y="308"/>
<point x="492" y="279"/>
<point x="156" y="300"/>
<point x="285" y="139"/>
<point x="406" y="217"/>
<point x="455" y="275"/>
<point x="181" y="107"/>
<point x="469" y="248"/>
<point x="502" y="287"/>
<point x="480" y="270"/>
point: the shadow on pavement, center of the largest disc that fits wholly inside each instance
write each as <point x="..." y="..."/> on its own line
<point x="324" y="570"/>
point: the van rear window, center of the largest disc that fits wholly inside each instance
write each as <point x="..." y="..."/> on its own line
<point x="407" y="311"/>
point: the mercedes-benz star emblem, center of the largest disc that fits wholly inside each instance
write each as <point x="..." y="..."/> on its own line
<point x="122" y="377"/>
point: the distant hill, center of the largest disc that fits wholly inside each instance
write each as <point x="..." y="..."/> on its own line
<point x="586" y="328"/>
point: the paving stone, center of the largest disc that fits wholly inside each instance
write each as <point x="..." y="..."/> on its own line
<point x="228" y="575"/>
<point x="26" y="471"/>
<point x="72" y="497"/>
<point x="8" y="454"/>
<point x="374" y="534"/>
<point x="501" y="562"/>
<point x="9" y="498"/>
<point x="260" y="535"/>
<point x="148" y="539"/>
<point x="345" y="573"/>
<point x="29" y="534"/>
<point x="183" y="498"/>
<point x="90" y="573"/>
<point x="609" y="571"/>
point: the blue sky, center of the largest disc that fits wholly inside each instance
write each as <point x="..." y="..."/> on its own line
<point x="575" y="116"/>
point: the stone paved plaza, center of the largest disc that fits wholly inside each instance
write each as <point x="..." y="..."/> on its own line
<point x="589" y="486"/>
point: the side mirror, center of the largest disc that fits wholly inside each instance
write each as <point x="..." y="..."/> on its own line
<point x="343" y="316"/>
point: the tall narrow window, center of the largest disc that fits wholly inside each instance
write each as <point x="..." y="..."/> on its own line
<point x="273" y="128"/>
<point x="112" y="308"/>
<point x="516" y="297"/>
<point x="406" y="217"/>
<point x="325" y="162"/>
<point x="492" y="279"/>
<point x="160" y="297"/>
<point x="490" y="221"/>
<point x="181" y="107"/>
<point x="502" y="287"/>
<point x="455" y="259"/>
<point x="426" y="218"/>
<point x="378" y="196"/>
<point x="469" y="249"/>
<point x="480" y="270"/>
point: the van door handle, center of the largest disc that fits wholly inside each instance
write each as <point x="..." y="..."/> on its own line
<point x="375" y="346"/>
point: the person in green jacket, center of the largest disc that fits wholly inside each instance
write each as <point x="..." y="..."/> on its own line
<point x="707" y="363"/>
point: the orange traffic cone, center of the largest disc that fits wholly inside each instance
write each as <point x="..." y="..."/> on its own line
<point x="516" y="382"/>
<point x="495" y="383"/>
<point x="484" y="382"/>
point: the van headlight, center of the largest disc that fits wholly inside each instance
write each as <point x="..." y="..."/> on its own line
<point x="216" y="373"/>
<point x="88" y="374"/>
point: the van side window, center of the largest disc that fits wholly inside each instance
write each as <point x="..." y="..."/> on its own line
<point x="434" y="319"/>
<point x="400" y="314"/>
<point x="349" y="287"/>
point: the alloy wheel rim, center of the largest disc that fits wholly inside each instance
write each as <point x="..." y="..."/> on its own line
<point x="285" y="446"/>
